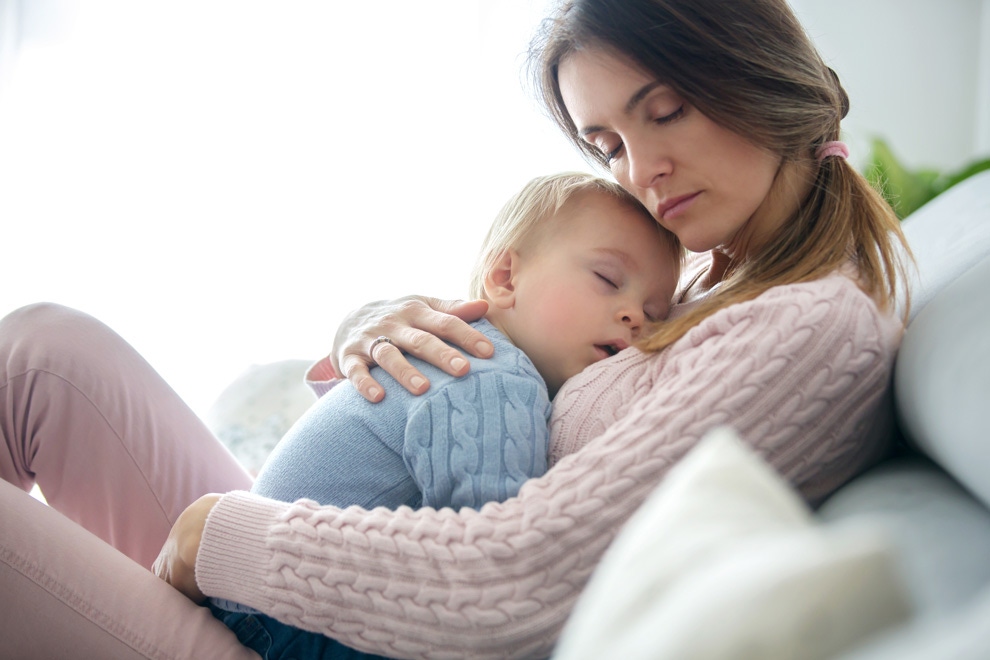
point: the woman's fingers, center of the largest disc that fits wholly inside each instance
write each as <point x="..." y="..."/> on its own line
<point x="355" y="369"/>
<point x="414" y="325"/>
<point x="391" y="358"/>
<point x="451" y="321"/>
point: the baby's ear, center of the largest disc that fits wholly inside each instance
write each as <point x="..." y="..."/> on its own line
<point x="500" y="288"/>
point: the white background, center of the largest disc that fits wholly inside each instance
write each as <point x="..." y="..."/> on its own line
<point x="222" y="181"/>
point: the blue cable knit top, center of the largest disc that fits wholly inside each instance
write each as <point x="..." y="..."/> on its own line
<point x="467" y="441"/>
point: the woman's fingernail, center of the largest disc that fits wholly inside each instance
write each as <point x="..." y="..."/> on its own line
<point x="484" y="348"/>
<point x="458" y="363"/>
<point x="417" y="382"/>
<point x="373" y="392"/>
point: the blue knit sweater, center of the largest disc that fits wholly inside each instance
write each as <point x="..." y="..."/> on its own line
<point x="465" y="442"/>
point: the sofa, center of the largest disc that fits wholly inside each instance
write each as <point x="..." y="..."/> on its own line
<point x="933" y="499"/>
<point x="726" y="561"/>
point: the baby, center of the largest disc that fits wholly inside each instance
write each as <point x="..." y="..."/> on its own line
<point x="574" y="271"/>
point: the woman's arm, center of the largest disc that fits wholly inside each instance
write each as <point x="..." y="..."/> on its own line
<point x="416" y="325"/>
<point x="799" y="373"/>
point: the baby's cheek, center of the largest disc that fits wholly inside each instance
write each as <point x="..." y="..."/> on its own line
<point x="560" y="311"/>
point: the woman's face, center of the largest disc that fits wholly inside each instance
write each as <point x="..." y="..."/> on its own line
<point x="703" y="182"/>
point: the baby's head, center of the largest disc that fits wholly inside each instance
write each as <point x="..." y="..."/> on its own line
<point x="574" y="270"/>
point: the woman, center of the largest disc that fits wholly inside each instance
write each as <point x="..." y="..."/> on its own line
<point x="722" y="119"/>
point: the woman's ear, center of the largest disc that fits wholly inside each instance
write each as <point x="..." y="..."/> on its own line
<point x="500" y="286"/>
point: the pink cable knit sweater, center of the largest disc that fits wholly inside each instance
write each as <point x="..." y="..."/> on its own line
<point x="801" y="373"/>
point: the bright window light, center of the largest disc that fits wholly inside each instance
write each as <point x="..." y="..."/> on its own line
<point x="222" y="181"/>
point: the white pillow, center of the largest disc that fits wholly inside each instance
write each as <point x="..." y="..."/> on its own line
<point x="724" y="560"/>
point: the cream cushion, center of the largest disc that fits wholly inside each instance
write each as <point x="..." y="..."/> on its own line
<point x="724" y="560"/>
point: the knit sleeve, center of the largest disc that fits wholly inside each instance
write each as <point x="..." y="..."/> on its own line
<point x="798" y="372"/>
<point x="321" y="377"/>
<point x="478" y="439"/>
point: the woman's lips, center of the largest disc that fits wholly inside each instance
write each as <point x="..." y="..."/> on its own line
<point x="673" y="208"/>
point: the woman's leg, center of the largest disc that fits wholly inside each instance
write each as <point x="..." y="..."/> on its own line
<point x="67" y="594"/>
<point x="110" y="444"/>
<point x="115" y="450"/>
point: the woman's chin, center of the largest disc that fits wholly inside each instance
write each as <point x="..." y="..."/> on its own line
<point x="698" y="243"/>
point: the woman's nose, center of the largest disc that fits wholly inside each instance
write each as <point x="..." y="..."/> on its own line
<point x="646" y="164"/>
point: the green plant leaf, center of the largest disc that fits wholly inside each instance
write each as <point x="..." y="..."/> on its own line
<point x="904" y="190"/>
<point x="907" y="190"/>
<point x="947" y="181"/>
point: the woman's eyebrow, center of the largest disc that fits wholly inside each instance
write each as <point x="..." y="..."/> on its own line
<point x="631" y="104"/>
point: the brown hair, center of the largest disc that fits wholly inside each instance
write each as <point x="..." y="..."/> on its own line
<point x="749" y="66"/>
<point x="524" y="217"/>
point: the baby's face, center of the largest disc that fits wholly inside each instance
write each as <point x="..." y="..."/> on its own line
<point x="590" y="285"/>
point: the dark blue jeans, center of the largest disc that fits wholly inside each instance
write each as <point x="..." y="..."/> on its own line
<point x="273" y="640"/>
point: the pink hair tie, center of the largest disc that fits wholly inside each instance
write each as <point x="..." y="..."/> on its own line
<point x="834" y="148"/>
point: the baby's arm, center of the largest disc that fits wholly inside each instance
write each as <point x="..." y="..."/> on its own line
<point x="478" y="439"/>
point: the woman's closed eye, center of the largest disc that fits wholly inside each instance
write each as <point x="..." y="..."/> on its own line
<point x="666" y="119"/>
<point x="608" y="148"/>
<point x="611" y="155"/>
<point x="612" y="150"/>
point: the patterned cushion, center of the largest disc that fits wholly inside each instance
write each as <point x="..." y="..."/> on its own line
<point x="253" y="413"/>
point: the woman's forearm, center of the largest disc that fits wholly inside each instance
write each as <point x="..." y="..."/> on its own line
<point x="796" y="377"/>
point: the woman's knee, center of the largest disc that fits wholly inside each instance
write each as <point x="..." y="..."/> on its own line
<point x="36" y="320"/>
<point x="40" y="336"/>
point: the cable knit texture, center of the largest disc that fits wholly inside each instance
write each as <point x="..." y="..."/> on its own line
<point x="801" y="373"/>
<point x="465" y="442"/>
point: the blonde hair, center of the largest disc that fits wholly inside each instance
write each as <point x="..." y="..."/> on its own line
<point x="749" y="66"/>
<point x="526" y="217"/>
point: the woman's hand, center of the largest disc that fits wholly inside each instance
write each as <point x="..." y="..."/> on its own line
<point x="415" y="325"/>
<point x="176" y="563"/>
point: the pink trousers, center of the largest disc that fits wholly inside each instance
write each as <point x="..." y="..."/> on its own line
<point x="118" y="456"/>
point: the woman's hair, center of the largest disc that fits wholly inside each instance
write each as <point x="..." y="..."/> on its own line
<point x="530" y="213"/>
<point x="749" y="66"/>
